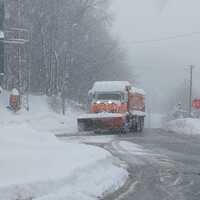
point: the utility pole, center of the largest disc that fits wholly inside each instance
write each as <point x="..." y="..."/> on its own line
<point x="2" y="13"/>
<point x="191" y="86"/>
<point x="19" y="48"/>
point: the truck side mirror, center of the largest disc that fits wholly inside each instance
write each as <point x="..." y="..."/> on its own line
<point x="126" y="97"/>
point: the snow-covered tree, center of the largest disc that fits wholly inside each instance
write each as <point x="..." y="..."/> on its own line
<point x="70" y="46"/>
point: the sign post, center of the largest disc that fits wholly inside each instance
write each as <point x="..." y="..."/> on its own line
<point x="1" y="40"/>
<point x="1" y="53"/>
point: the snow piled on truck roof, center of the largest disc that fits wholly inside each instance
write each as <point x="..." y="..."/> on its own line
<point x="110" y="86"/>
<point x="138" y="91"/>
<point x="114" y="86"/>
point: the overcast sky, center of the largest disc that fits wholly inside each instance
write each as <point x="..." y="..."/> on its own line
<point x="160" y="66"/>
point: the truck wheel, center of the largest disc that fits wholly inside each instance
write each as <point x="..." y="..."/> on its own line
<point x="133" y="126"/>
<point x="141" y="124"/>
<point x="132" y="129"/>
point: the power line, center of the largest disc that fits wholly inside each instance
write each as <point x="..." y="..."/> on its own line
<point x="166" y="38"/>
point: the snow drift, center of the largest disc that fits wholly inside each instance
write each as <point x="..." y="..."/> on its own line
<point x="40" y="117"/>
<point x="186" y="126"/>
<point x="34" y="164"/>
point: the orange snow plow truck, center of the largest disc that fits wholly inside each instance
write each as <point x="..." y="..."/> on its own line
<point x="114" y="106"/>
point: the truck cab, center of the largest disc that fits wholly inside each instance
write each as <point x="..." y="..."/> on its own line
<point x="111" y="102"/>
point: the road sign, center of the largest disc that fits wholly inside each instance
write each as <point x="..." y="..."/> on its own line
<point x="196" y="104"/>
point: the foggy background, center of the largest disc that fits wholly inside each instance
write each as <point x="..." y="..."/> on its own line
<point x="161" y="67"/>
<point x="60" y="48"/>
<point x="67" y="46"/>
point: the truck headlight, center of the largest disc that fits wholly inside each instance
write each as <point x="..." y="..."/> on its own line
<point x="110" y="102"/>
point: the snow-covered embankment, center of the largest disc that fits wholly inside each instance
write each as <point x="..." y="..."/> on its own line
<point x="36" y="165"/>
<point x="188" y="126"/>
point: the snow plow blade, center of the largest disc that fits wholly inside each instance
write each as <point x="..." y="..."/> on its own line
<point x="101" y="121"/>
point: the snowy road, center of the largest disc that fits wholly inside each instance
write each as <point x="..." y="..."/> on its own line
<point x="162" y="165"/>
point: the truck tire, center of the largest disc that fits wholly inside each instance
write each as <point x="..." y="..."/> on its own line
<point x="133" y="126"/>
<point x="136" y="124"/>
<point x="141" y="124"/>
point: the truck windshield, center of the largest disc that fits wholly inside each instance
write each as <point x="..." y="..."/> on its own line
<point x="109" y="96"/>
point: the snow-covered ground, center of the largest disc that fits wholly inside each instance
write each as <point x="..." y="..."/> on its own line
<point x="186" y="126"/>
<point x="41" y="116"/>
<point x="34" y="164"/>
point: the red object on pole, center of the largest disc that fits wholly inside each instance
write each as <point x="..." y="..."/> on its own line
<point x="196" y="104"/>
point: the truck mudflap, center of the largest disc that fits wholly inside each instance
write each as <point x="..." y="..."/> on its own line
<point x="101" y="121"/>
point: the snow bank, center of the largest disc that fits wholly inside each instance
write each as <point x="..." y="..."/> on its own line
<point x="29" y="156"/>
<point x="186" y="126"/>
<point x="40" y="117"/>
<point x="35" y="164"/>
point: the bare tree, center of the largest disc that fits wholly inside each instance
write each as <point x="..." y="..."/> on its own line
<point x="71" y="46"/>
